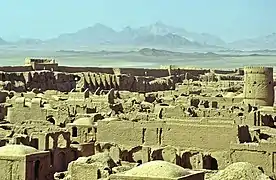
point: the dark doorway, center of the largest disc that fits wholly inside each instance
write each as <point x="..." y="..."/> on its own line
<point x="62" y="162"/>
<point x="74" y="132"/>
<point x="214" y="164"/>
<point x="210" y="163"/>
<point x="36" y="170"/>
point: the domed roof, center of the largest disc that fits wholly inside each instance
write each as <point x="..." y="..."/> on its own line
<point x="85" y="121"/>
<point x="160" y="169"/>
<point x="16" y="150"/>
<point x="240" y="170"/>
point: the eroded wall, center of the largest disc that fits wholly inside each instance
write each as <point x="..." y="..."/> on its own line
<point x="184" y="135"/>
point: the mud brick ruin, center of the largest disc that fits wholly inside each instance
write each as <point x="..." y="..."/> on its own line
<point x="89" y="123"/>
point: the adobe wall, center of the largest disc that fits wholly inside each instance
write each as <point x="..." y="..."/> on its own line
<point x="145" y="72"/>
<point x="193" y="72"/>
<point x="263" y="154"/>
<point x="203" y="136"/>
<point x="70" y="69"/>
<point x="40" y="66"/>
<point x="12" y="167"/>
<point x="108" y="70"/>
<point x="83" y="171"/>
<point x="15" y="68"/>
<point x="221" y="71"/>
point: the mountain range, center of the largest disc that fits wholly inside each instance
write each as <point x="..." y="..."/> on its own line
<point x="157" y="34"/>
<point x="154" y="35"/>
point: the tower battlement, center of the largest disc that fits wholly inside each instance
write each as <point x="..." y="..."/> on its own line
<point x="258" y="86"/>
<point x="257" y="70"/>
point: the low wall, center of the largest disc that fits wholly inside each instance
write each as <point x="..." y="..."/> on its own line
<point x="261" y="154"/>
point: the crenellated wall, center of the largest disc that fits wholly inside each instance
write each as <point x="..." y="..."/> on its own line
<point x="130" y="71"/>
<point x="66" y="78"/>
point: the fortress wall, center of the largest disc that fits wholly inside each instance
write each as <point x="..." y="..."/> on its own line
<point x="15" y="68"/>
<point x="220" y="71"/>
<point x="133" y="71"/>
<point x="193" y="72"/>
<point x="37" y="66"/>
<point x="158" y="72"/>
<point x="143" y="72"/>
<point x="207" y="137"/>
<point x="69" y="69"/>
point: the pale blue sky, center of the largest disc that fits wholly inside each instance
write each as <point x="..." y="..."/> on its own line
<point x="229" y="19"/>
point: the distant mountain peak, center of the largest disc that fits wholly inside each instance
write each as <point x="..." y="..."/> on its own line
<point x="160" y="24"/>
<point x="99" y="25"/>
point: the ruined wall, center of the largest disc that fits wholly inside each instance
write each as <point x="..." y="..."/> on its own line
<point x="62" y="78"/>
<point x="145" y="72"/>
<point x="15" y="68"/>
<point x="39" y="162"/>
<point x="203" y="136"/>
<point x="83" y="171"/>
<point x="262" y="155"/>
<point x="12" y="168"/>
<point x="41" y="66"/>
<point x="221" y="71"/>
<point x="71" y="69"/>
<point x="192" y="72"/>
<point x="44" y="80"/>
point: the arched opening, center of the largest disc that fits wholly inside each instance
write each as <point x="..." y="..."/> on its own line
<point x="210" y="163"/>
<point x="61" y="141"/>
<point x="186" y="160"/>
<point x="51" y="120"/>
<point x="157" y="155"/>
<point x="135" y="154"/>
<point x="125" y="156"/>
<point x="139" y="162"/>
<point x="214" y="164"/>
<point x="74" y="132"/>
<point x="36" y="170"/>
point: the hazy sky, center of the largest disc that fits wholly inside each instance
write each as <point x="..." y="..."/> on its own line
<point x="229" y="19"/>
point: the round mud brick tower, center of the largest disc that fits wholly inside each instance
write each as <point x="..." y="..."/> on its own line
<point x="258" y="86"/>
